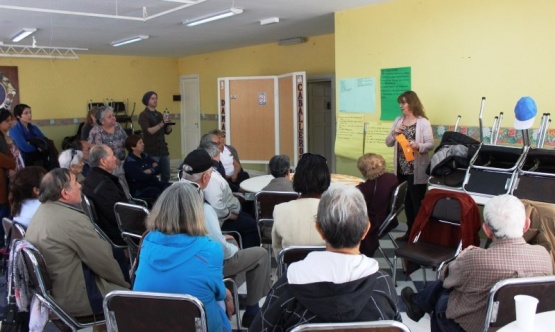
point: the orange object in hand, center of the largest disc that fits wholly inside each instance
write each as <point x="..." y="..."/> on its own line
<point x="407" y="150"/>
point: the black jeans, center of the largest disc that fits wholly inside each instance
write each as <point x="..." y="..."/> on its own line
<point x="433" y="300"/>
<point x="415" y="195"/>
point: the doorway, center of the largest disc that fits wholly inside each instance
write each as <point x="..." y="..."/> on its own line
<point x="190" y="113"/>
<point x="321" y="118"/>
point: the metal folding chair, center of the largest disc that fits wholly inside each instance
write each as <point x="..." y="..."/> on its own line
<point x="42" y="286"/>
<point x="128" y="311"/>
<point x="501" y="304"/>
<point x="264" y="202"/>
<point x="397" y="205"/>
<point x="383" y="325"/>
<point x="294" y="254"/>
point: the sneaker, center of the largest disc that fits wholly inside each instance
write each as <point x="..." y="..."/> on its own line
<point x="413" y="309"/>
<point x="247" y="320"/>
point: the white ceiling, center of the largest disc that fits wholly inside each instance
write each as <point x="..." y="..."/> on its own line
<point x="168" y="36"/>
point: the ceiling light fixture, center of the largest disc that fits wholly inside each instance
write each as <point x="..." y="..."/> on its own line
<point x="213" y="17"/>
<point x="269" y="20"/>
<point x="26" y="32"/>
<point x="292" y="41"/>
<point x="129" y="40"/>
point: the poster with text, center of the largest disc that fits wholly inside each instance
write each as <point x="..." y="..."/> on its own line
<point x="393" y="82"/>
<point x="357" y="95"/>
<point x="349" y="137"/>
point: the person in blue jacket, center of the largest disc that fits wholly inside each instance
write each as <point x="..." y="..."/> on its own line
<point x="29" y="139"/>
<point x="177" y="256"/>
<point x="141" y="171"/>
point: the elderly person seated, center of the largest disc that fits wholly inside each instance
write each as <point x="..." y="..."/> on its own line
<point x="228" y="208"/>
<point x="109" y="132"/>
<point x="177" y="256"/>
<point x="73" y="160"/>
<point x="294" y="220"/>
<point x="279" y="168"/>
<point x="141" y="171"/>
<point x="377" y="190"/>
<point x="24" y="193"/>
<point x="81" y="264"/>
<point x="457" y="301"/>
<point x="336" y="285"/>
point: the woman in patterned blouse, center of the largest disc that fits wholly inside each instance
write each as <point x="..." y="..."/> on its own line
<point x="415" y="127"/>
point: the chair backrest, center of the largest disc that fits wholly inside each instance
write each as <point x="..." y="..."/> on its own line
<point x="264" y="202"/>
<point x="382" y="326"/>
<point x="294" y="254"/>
<point x="17" y="231"/>
<point x="443" y="225"/>
<point x="447" y="210"/>
<point x="40" y="282"/>
<point x="144" y="311"/>
<point x="88" y="207"/>
<point x="131" y="218"/>
<point x="7" y="225"/>
<point x="501" y="304"/>
<point x="397" y="205"/>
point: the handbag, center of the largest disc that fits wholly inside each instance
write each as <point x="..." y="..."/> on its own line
<point x="14" y="320"/>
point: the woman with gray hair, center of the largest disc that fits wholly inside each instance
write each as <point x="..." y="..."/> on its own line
<point x="336" y="285"/>
<point x="109" y="132"/>
<point x="377" y="190"/>
<point x="73" y="160"/>
<point x="177" y="256"/>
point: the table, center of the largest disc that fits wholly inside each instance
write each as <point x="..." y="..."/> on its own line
<point x="255" y="184"/>
<point x="544" y="321"/>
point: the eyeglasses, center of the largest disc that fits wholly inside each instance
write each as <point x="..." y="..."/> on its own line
<point x="73" y="154"/>
<point x="308" y="154"/>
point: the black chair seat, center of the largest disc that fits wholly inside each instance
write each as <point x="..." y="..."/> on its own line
<point x="426" y="254"/>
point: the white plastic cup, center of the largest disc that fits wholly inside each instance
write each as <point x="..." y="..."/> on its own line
<point x="525" y="307"/>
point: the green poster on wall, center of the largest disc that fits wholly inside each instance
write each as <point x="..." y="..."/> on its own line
<point x="393" y="82"/>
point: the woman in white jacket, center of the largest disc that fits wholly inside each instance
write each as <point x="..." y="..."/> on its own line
<point x="416" y="128"/>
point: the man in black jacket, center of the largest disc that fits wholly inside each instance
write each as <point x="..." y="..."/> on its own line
<point x="104" y="190"/>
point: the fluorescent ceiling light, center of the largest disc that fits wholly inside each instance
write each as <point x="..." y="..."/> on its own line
<point x="129" y="40"/>
<point x="213" y="17"/>
<point x="269" y="20"/>
<point x="23" y="34"/>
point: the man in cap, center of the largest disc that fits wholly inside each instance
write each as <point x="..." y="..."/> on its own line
<point x="254" y="261"/>
<point x="154" y="126"/>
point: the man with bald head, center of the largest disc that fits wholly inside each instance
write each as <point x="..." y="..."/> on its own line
<point x="104" y="190"/>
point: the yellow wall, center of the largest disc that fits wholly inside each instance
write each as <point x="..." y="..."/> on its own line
<point x="315" y="57"/>
<point x="458" y="50"/>
<point x="60" y="89"/>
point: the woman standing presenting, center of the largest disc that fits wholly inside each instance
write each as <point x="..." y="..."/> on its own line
<point x="412" y="137"/>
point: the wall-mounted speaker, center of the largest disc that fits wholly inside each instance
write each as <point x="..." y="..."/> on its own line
<point x="176" y="97"/>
